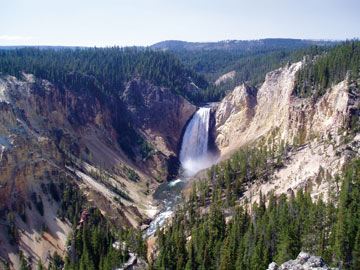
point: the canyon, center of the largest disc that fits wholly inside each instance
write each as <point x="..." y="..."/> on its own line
<point x="50" y="136"/>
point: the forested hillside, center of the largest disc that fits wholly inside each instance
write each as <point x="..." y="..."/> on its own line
<point x="176" y="66"/>
<point x="250" y="67"/>
<point x="103" y="71"/>
<point x="266" y="44"/>
<point x="217" y="227"/>
<point x="328" y="68"/>
<point x="250" y="60"/>
<point x="259" y="234"/>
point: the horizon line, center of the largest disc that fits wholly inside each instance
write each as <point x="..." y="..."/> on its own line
<point x="179" y="40"/>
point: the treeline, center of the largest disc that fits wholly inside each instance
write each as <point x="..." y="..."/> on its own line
<point x="199" y="239"/>
<point x="103" y="71"/>
<point x="331" y="67"/>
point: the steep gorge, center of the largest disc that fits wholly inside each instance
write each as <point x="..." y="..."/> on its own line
<point x="116" y="149"/>
<point x="288" y="176"/>
<point x="52" y="139"/>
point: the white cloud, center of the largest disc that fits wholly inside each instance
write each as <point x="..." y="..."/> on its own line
<point x="12" y="38"/>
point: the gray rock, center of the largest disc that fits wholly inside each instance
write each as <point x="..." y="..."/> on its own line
<point x="303" y="257"/>
<point x="304" y="261"/>
<point x="273" y="266"/>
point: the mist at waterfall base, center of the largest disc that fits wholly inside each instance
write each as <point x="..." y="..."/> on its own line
<point x="194" y="157"/>
<point x="193" y="165"/>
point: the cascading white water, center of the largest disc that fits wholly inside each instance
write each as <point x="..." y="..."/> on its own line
<point x="193" y="157"/>
<point x="194" y="147"/>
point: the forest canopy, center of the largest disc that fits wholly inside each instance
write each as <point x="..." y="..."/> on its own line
<point x="330" y="67"/>
<point x="103" y="70"/>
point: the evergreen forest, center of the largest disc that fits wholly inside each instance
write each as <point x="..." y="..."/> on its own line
<point x="103" y="71"/>
<point x="213" y="228"/>
<point x="211" y="231"/>
<point x="323" y="70"/>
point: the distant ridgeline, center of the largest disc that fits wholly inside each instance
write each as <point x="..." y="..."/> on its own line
<point x="102" y="71"/>
<point x="250" y="59"/>
<point x="331" y="67"/>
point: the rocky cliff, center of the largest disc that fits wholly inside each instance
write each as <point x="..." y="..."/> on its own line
<point x="243" y="117"/>
<point x="158" y="113"/>
<point x="274" y="116"/>
<point x="53" y="139"/>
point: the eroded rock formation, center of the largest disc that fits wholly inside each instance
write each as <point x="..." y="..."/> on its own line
<point x="158" y="113"/>
<point x="274" y="116"/>
<point x="49" y="134"/>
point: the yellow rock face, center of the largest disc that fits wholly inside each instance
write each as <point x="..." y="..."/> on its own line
<point x="242" y="118"/>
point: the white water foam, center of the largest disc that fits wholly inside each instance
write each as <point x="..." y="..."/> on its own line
<point x="173" y="183"/>
<point x="194" y="148"/>
<point x="158" y="222"/>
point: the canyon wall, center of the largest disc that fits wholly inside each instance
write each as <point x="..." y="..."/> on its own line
<point x="52" y="139"/>
<point x="272" y="115"/>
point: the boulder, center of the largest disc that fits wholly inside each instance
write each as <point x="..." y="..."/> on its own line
<point x="304" y="261"/>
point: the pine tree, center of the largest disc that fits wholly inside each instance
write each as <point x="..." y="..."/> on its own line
<point x="191" y="262"/>
<point x="39" y="265"/>
<point x="225" y="263"/>
<point x="356" y="252"/>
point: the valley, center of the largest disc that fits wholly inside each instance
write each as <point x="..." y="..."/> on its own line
<point x="184" y="167"/>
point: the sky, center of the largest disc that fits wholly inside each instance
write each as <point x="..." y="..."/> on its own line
<point x="145" y="22"/>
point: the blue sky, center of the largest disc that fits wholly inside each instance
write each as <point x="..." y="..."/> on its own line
<point x="144" y="22"/>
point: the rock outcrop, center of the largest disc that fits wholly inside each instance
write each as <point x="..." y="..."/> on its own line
<point x="226" y="77"/>
<point x="158" y="113"/>
<point x="304" y="261"/>
<point x="233" y="116"/>
<point x="274" y="116"/>
<point x="243" y="118"/>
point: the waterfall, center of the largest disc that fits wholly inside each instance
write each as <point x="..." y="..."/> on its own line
<point x="193" y="157"/>
<point x="194" y="147"/>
